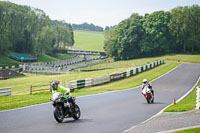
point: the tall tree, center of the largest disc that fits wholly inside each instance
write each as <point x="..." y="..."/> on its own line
<point x="25" y="29"/>
<point x="125" y="38"/>
<point x="156" y="39"/>
<point x="179" y="26"/>
<point x="194" y="28"/>
<point x="43" y="41"/>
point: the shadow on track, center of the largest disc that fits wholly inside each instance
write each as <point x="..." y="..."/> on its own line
<point x="78" y="121"/>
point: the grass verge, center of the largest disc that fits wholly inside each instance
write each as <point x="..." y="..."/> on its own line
<point x="194" y="130"/>
<point x="21" y="100"/>
<point x="186" y="104"/>
<point x="89" y="41"/>
<point x="5" y="61"/>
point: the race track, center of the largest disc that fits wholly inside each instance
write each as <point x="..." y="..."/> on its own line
<point x="111" y="112"/>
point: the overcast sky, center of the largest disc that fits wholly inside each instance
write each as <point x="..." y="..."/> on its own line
<point x="101" y="12"/>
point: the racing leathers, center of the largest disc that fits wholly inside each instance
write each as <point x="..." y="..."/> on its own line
<point x="66" y="92"/>
<point x="149" y="86"/>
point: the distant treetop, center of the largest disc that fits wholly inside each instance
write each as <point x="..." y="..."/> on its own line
<point x="87" y="27"/>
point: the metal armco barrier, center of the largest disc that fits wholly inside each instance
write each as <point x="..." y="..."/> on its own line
<point x="72" y="85"/>
<point x="101" y="80"/>
<point x="114" y="77"/>
<point x="5" y="91"/>
<point x="198" y="98"/>
<point x="89" y="82"/>
<point x="128" y="74"/>
<point x="78" y="84"/>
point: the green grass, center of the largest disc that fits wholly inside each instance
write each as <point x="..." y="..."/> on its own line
<point x="194" y="130"/>
<point x="183" y="58"/>
<point x="46" y="58"/>
<point x="110" y="64"/>
<point x="134" y="80"/>
<point x="184" y="105"/>
<point x="5" y="61"/>
<point x="10" y="102"/>
<point x="64" y="56"/>
<point x="89" y="41"/>
<point x="21" y="86"/>
<point x="141" y="61"/>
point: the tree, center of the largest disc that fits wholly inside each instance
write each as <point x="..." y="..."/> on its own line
<point x="194" y="28"/>
<point x="179" y="27"/>
<point x="87" y="27"/>
<point x="156" y="39"/>
<point x="25" y="29"/>
<point x="122" y="42"/>
<point x="63" y="36"/>
<point x="43" y="41"/>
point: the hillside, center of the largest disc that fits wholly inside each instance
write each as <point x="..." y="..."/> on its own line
<point x="89" y="41"/>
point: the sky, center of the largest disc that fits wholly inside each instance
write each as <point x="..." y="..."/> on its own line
<point x="101" y="12"/>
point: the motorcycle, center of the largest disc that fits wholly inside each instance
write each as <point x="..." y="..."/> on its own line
<point x="64" y="109"/>
<point x="148" y="94"/>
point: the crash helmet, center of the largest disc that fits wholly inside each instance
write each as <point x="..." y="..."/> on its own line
<point x="145" y="81"/>
<point x="54" y="85"/>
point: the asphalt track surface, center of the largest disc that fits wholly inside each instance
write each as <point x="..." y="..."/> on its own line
<point x="111" y="112"/>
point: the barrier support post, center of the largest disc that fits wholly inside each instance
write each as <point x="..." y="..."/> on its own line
<point x="31" y="90"/>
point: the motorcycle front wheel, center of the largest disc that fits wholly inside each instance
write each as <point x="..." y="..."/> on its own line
<point x="59" y="114"/>
<point x="152" y="99"/>
<point x="77" y="112"/>
<point x="148" y="98"/>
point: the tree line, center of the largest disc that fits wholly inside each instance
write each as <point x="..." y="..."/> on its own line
<point x="25" y="29"/>
<point x="159" y="33"/>
<point x="87" y="27"/>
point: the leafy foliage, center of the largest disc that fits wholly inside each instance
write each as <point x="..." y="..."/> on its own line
<point x="87" y="27"/>
<point x="122" y="42"/>
<point x="159" y="33"/>
<point x="28" y="30"/>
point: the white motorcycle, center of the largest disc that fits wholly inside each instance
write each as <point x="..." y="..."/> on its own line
<point x="148" y="94"/>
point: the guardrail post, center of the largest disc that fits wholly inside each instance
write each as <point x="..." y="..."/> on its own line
<point x="198" y="98"/>
<point x="31" y="90"/>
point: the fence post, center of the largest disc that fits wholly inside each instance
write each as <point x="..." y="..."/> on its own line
<point x="198" y="98"/>
<point x="31" y="90"/>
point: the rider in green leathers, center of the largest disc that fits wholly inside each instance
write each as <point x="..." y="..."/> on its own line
<point x="55" y="87"/>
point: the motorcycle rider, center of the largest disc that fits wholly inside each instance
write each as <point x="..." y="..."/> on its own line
<point x="146" y="83"/>
<point x="55" y="87"/>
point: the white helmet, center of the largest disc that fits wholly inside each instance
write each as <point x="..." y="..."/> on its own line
<point x="144" y="81"/>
